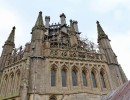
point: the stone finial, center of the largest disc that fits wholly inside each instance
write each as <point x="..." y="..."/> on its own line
<point x="73" y="38"/>
<point x="75" y="22"/>
<point x="63" y="19"/>
<point x="63" y="15"/>
<point x="97" y="22"/>
<point x="47" y="19"/>
<point x="40" y="12"/>
<point x="14" y="28"/>
<point x="72" y="30"/>
<point x="76" y="26"/>
<point x="71" y="21"/>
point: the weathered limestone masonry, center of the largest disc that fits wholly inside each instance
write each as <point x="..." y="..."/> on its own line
<point x="58" y="65"/>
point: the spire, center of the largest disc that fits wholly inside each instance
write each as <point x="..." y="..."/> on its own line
<point x="11" y="36"/>
<point x="39" y="23"/>
<point x="101" y="33"/>
<point x="99" y="28"/>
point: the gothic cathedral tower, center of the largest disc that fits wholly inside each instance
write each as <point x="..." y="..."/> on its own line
<point x="58" y="65"/>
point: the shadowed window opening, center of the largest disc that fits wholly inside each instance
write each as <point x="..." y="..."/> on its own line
<point x="93" y="80"/>
<point x="102" y="80"/>
<point x="74" y="78"/>
<point x="84" y="78"/>
<point x="64" y="78"/>
<point x="52" y="98"/>
<point x="53" y="77"/>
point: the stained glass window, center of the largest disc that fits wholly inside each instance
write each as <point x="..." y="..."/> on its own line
<point x="84" y="78"/>
<point x="74" y="78"/>
<point x="93" y="80"/>
<point x="53" y="77"/>
<point x="102" y="80"/>
<point x="64" y="77"/>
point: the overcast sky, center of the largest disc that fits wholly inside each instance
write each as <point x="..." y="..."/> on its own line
<point x="113" y="15"/>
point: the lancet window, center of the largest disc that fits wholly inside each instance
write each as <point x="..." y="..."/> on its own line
<point x="84" y="77"/>
<point x="74" y="77"/>
<point x="53" y="77"/>
<point x="64" y="77"/>
<point x="94" y="83"/>
<point x="102" y="76"/>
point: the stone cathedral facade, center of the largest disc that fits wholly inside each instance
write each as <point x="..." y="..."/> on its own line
<point x="58" y="65"/>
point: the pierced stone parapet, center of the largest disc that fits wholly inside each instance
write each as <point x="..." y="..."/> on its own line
<point x="16" y="55"/>
<point x="73" y="54"/>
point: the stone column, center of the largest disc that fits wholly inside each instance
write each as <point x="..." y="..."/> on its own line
<point x="25" y="80"/>
<point x="24" y="92"/>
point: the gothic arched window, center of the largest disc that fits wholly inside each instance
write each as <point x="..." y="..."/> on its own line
<point x="84" y="78"/>
<point x="102" y="80"/>
<point x="53" y="77"/>
<point x="64" y="77"/>
<point x="93" y="80"/>
<point x="74" y="77"/>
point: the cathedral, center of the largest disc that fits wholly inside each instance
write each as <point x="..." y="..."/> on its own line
<point x="58" y="64"/>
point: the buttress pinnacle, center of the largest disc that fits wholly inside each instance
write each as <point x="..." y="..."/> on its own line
<point x="101" y="33"/>
<point x="99" y="28"/>
<point x="11" y="36"/>
<point x="39" y="23"/>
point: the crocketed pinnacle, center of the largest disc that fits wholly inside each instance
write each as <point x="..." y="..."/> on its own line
<point x="11" y="36"/>
<point x="101" y="33"/>
<point x="39" y="23"/>
<point x="99" y="28"/>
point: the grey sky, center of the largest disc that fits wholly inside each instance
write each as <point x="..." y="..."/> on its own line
<point x="113" y="15"/>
